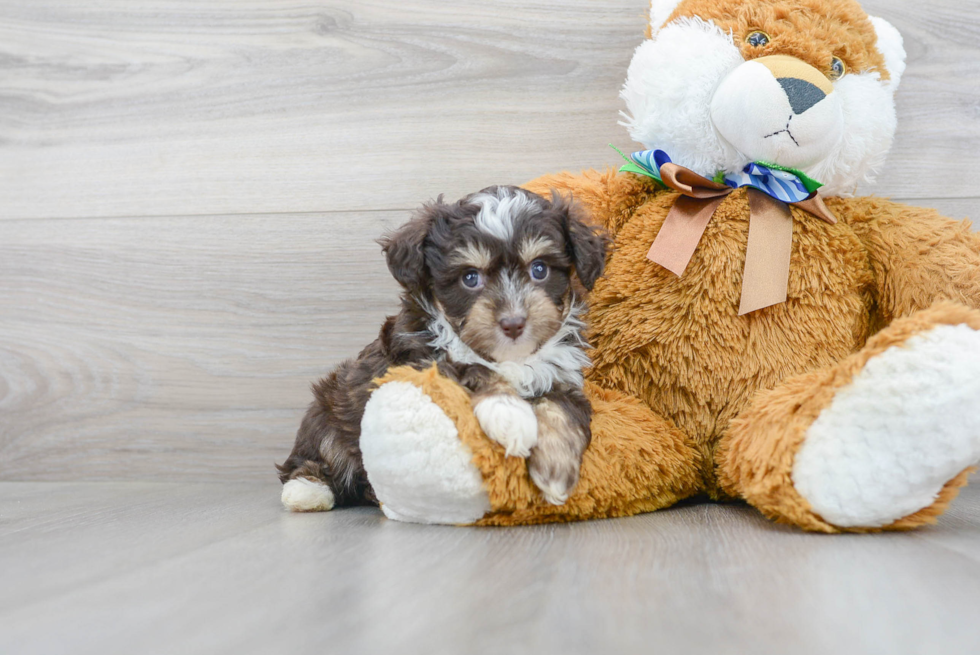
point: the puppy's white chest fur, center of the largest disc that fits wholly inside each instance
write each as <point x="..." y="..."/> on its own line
<point x="560" y="360"/>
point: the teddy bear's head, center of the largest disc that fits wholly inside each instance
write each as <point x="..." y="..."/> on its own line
<point x="804" y="84"/>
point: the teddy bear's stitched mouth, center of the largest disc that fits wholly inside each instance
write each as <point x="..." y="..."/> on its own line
<point x="785" y="130"/>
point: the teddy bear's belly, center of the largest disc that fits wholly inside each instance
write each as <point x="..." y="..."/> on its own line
<point x="678" y="342"/>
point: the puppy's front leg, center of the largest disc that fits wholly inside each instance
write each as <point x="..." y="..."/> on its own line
<point x="504" y="416"/>
<point x="563" y="436"/>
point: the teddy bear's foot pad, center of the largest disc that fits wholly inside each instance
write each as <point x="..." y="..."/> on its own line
<point x="419" y="469"/>
<point x="889" y="441"/>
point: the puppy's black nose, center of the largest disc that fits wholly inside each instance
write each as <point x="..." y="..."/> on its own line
<point x="513" y="326"/>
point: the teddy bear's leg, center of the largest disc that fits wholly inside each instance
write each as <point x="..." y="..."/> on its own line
<point x="882" y="440"/>
<point x="428" y="461"/>
<point x="419" y="469"/>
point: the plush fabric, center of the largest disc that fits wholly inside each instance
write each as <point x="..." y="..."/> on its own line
<point x="854" y="405"/>
<point x="673" y="82"/>
<point x="811" y="30"/>
<point x="901" y="421"/>
<point x="415" y="459"/>
<point x="757" y="455"/>
<point x="637" y="461"/>
<point x="720" y="403"/>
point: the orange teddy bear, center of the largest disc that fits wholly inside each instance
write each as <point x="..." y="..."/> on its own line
<point x="814" y="354"/>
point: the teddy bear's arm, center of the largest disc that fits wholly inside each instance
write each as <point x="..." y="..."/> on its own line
<point x="610" y="197"/>
<point x="917" y="256"/>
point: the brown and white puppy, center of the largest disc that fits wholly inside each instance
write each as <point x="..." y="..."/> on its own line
<point x="492" y="294"/>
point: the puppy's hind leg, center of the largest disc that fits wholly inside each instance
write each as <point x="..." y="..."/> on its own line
<point x="325" y="469"/>
<point x="306" y="490"/>
<point x="563" y="436"/>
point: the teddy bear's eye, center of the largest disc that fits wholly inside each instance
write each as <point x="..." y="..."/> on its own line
<point x="757" y="39"/>
<point x="837" y="69"/>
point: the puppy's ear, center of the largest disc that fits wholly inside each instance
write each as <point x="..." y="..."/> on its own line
<point x="587" y="243"/>
<point x="404" y="249"/>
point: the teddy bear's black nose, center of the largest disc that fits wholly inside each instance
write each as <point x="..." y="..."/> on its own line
<point x="802" y="94"/>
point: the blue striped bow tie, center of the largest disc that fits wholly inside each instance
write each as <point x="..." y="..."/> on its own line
<point x="786" y="184"/>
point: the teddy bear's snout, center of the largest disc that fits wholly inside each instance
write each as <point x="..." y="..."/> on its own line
<point x="778" y="109"/>
<point x="803" y="84"/>
<point x="801" y="94"/>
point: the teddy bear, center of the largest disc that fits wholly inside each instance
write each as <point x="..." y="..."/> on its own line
<point x="760" y="333"/>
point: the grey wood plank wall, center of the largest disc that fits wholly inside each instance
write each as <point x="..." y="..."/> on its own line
<point x="190" y="191"/>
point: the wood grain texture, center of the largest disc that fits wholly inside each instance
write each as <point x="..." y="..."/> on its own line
<point x="177" y="341"/>
<point x="167" y="107"/>
<point x="956" y="208"/>
<point x="189" y="195"/>
<point x="230" y="106"/>
<point x="161" y="568"/>
<point x="176" y="347"/>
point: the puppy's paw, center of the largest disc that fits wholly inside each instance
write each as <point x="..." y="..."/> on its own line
<point x="510" y="421"/>
<point x="555" y="462"/>
<point x="554" y="479"/>
<point x="303" y="495"/>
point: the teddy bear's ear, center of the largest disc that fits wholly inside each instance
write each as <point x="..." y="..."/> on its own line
<point x="660" y="11"/>
<point x="891" y="47"/>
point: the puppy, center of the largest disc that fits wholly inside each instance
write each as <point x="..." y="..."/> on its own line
<point x="492" y="294"/>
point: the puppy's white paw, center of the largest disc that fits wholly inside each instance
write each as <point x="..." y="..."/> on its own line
<point x="510" y="421"/>
<point x="302" y="495"/>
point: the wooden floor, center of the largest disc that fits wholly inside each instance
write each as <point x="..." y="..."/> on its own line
<point x="196" y="568"/>
<point x="190" y="191"/>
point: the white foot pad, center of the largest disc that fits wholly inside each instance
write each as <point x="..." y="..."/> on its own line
<point x="302" y="495"/>
<point x="510" y="421"/>
<point x="907" y="424"/>
<point x="419" y="469"/>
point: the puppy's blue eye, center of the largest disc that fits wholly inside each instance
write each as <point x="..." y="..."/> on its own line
<point x="472" y="279"/>
<point x="539" y="270"/>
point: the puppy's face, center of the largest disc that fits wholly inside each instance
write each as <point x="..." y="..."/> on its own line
<point x="499" y="265"/>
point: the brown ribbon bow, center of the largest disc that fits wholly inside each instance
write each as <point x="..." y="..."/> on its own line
<point x="770" y="246"/>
